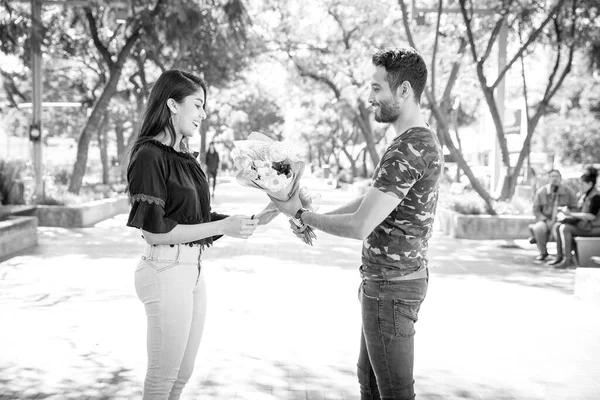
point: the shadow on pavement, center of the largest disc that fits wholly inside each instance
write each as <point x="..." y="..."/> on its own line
<point x="107" y="384"/>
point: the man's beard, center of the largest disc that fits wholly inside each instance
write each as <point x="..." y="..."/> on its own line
<point x="388" y="112"/>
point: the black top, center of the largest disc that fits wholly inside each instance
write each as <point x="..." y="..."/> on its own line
<point x="212" y="161"/>
<point x="166" y="188"/>
<point x="590" y="202"/>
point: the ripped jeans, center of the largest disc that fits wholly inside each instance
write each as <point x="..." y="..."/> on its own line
<point x="170" y="283"/>
<point x="389" y="312"/>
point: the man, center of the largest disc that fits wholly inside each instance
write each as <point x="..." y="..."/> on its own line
<point x="547" y="200"/>
<point x="394" y="219"/>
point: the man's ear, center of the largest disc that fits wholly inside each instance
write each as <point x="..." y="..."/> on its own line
<point x="404" y="90"/>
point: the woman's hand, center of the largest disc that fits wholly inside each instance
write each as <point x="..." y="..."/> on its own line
<point x="268" y="214"/>
<point x="239" y="226"/>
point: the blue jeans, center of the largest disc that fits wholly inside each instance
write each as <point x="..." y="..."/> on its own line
<point x="385" y="362"/>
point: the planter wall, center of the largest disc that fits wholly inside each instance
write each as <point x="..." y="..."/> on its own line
<point x="587" y="285"/>
<point x="17" y="233"/>
<point x="82" y="215"/>
<point x="483" y="227"/>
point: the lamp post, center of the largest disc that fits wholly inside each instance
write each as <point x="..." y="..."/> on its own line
<point x="35" y="132"/>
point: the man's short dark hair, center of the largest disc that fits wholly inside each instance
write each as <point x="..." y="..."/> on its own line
<point x="403" y="64"/>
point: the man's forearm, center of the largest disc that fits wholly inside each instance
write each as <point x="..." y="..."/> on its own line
<point x="347" y="208"/>
<point x="343" y="225"/>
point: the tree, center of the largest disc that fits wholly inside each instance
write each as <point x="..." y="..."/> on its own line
<point x="98" y="59"/>
<point x="564" y="15"/>
<point x="442" y="109"/>
<point x="330" y="52"/>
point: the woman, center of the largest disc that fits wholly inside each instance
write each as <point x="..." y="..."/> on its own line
<point x="586" y="222"/>
<point x="171" y="205"/>
<point x="212" y="166"/>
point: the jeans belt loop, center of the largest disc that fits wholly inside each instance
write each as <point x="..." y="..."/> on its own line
<point x="178" y="253"/>
<point x="151" y="252"/>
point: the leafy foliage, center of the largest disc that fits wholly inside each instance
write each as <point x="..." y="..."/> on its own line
<point x="575" y="136"/>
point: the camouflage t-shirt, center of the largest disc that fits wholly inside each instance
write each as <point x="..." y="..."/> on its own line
<point x="410" y="170"/>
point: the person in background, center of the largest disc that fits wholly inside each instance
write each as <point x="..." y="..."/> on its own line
<point x="212" y="166"/>
<point x="585" y="222"/>
<point x="170" y="204"/>
<point x="546" y="203"/>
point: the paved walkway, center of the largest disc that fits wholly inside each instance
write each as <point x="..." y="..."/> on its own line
<point x="283" y="319"/>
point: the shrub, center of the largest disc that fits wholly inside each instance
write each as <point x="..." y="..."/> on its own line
<point x="468" y="203"/>
<point x="10" y="174"/>
<point x="62" y="177"/>
<point x="50" y="201"/>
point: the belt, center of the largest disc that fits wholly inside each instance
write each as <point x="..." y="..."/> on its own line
<point x="173" y="252"/>
<point x="420" y="274"/>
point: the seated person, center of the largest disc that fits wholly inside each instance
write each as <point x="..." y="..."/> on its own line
<point x="547" y="200"/>
<point x="586" y="222"/>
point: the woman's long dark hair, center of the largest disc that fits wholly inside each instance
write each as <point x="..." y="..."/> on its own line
<point x="173" y="84"/>
<point x="590" y="175"/>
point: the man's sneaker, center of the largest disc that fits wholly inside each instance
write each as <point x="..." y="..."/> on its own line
<point x="542" y="257"/>
<point x="558" y="260"/>
<point x="566" y="263"/>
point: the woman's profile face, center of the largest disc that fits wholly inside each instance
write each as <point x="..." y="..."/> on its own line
<point x="585" y="186"/>
<point x="190" y="113"/>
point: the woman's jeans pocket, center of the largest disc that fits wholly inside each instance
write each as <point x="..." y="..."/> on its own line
<point x="160" y="265"/>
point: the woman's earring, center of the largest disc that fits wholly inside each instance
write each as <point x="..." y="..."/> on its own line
<point x="174" y="120"/>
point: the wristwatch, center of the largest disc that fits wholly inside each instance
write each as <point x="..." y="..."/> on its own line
<point x="299" y="213"/>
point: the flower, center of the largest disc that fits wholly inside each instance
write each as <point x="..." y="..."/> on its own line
<point x="272" y="167"/>
<point x="276" y="182"/>
<point x="265" y="172"/>
<point x="242" y="162"/>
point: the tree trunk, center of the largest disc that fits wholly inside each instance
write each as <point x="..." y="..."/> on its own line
<point x="92" y="125"/>
<point x="352" y="162"/>
<point x="103" y="147"/>
<point x="120" y="133"/>
<point x="364" y="124"/>
<point x="203" y="130"/>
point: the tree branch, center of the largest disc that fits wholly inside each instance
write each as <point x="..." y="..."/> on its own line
<point x="435" y="44"/>
<point x="454" y="70"/>
<point x="531" y="39"/>
<point x="136" y="33"/>
<point x="470" y="36"/>
<point x="346" y="35"/>
<point x="316" y="77"/>
<point x="96" y="39"/>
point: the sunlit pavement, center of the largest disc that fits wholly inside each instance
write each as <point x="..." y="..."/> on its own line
<point x="283" y="318"/>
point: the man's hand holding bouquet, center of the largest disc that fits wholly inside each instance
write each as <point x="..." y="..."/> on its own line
<point x="275" y="169"/>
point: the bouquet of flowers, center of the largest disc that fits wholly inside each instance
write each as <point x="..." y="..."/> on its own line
<point x="273" y="168"/>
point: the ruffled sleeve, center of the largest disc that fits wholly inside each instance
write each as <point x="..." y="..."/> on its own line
<point x="147" y="179"/>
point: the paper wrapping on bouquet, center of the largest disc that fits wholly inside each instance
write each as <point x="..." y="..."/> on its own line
<point x="260" y="149"/>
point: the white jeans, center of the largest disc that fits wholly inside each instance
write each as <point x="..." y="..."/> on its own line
<point x="170" y="283"/>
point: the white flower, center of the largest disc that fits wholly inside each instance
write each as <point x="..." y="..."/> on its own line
<point x="265" y="172"/>
<point x="242" y="162"/>
<point x="249" y="174"/>
<point x="276" y="182"/>
<point x="277" y="152"/>
<point x="262" y="164"/>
